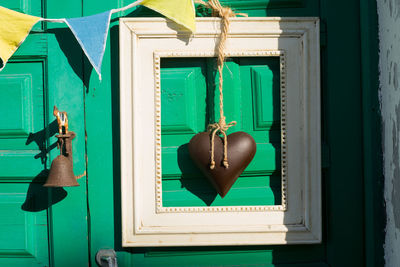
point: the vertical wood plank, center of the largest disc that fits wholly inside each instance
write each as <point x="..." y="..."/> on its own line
<point x="102" y="128"/>
<point x="346" y="165"/>
<point x="68" y="218"/>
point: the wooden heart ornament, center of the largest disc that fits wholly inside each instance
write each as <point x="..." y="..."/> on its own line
<point x="241" y="150"/>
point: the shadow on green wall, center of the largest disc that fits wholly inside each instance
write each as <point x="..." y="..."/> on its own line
<point x="38" y="197"/>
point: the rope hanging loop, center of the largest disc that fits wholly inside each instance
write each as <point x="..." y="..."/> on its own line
<point x="225" y="13"/>
<point x="216" y="128"/>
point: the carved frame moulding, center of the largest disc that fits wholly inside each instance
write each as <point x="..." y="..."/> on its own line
<point x="145" y="222"/>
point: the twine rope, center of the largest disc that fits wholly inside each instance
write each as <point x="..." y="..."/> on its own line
<point x="225" y="13"/>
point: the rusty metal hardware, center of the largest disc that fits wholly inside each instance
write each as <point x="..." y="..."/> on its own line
<point x="61" y="171"/>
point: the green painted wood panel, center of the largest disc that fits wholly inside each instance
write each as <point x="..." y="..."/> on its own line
<point x="68" y="219"/>
<point x="22" y="99"/>
<point x="190" y="101"/>
<point x="24" y="220"/>
<point x="258" y="4"/>
<point x="248" y="190"/>
<point x="182" y="97"/>
<point x="23" y="234"/>
<point x="33" y="8"/>
<point x="42" y="226"/>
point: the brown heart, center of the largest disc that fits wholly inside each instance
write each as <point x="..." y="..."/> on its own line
<point x="241" y="150"/>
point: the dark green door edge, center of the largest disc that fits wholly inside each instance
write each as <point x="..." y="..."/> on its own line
<point x="375" y="216"/>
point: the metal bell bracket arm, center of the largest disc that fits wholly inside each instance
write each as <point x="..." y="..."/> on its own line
<point x="65" y="144"/>
<point x="62" y="121"/>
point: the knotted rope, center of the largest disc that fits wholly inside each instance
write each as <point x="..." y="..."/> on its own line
<point x="220" y="127"/>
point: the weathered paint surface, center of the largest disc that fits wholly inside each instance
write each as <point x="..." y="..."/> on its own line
<point x="389" y="66"/>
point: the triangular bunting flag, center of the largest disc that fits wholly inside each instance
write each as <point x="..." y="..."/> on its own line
<point x="14" y="28"/>
<point x="91" y="33"/>
<point x="180" y="11"/>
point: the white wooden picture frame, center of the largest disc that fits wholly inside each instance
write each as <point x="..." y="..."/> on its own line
<point x="145" y="222"/>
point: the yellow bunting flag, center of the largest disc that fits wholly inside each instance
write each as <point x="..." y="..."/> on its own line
<point x="14" y="28"/>
<point x="180" y="11"/>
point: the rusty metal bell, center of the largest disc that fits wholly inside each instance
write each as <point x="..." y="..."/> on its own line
<point x="61" y="171"/>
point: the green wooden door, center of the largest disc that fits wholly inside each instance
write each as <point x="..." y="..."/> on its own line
<point x="189" y="104"/>
<point x="40" y="226"/>
<point x="187" y="107"/>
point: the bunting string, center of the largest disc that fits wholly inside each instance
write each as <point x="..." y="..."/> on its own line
<point x="90" y="31"/>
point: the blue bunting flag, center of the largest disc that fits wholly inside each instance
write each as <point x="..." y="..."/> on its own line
<point x="91" y="33"/>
